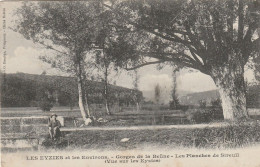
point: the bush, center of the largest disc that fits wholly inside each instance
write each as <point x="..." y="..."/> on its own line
<point x="174" y="104"/>
<point x="164" y="107"/>
<point x="155" y="107"/>
<point x="216" y="102"/>
<point x="45" y="98"/>
<point x="45" y="105"/>
<point x="205" y="115"/>
<point x="202" y="104"/>
<point x="199" y="116"/>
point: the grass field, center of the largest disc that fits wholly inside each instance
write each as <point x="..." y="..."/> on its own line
<point x="231" y="136"/>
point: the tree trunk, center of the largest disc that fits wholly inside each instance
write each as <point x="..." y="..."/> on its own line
<point x="81" y="99"/>
<point x="229" y="80"/>
<point x="107" y="108"/>
<point x="137" y="107"/>
<point x="81" y="92"/>
<point x="86" y="104"/>
<point x="106" y="93"/>
<point x="106" y="103"/>
<point x="85" y="93"/>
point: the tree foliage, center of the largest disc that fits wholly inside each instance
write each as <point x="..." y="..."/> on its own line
<point x="215" y="37"/>
<point x="68" y="28"/>
<point x="196" y="34"/>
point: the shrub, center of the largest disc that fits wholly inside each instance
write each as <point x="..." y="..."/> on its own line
<point x="155" y="107"/>
<point x="199" y="116"/>
<point x="45" y="98"/>
<point x="216" y="102"/>
<point x="174" y="104"/>
<point x="202" y="104"/>
<point x="205" y="115"/>
<point x="164" y="107"/>
<point x="45" y="105"/>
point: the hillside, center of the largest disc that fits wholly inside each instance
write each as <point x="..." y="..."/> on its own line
<point x="194" y="98"/>
<point x="165" y="95"/>
<point x="21" y="90"/>
<point x="253" y="97"/>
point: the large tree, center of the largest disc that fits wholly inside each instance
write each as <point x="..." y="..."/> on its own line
<point x="216" y="37"/>
<point x="67" y="28"/>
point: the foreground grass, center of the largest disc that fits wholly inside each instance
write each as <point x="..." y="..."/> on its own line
<point x="230" y="136"/>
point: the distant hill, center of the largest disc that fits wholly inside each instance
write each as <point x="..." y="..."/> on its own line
<point x="194" y="98"/>
<point x="253" y="97"/>
<point x="165" y="95"/>
<point x="21" y="90"/>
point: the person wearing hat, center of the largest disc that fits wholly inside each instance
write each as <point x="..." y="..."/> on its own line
<point x="54" y="127"/>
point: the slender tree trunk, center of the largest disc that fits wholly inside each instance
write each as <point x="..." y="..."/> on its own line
<point x="135" y="83"/>
<point x="85" y="94"/>
<point x="106" y="93"/>
<point x="86" y="105"/>
<point x="81" y="99"/>
<point x="137" y="106"/>
<point x="81" y="93"/>
<point x="229" y="80"/>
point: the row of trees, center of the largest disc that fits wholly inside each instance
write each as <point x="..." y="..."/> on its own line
<point x="215" y="37"/>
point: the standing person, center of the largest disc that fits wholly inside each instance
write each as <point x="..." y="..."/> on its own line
<point x="54" y="127"/>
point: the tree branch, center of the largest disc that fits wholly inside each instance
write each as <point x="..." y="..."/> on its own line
<point x="196" y="44"/>
<point x="230" y="18"/>
<point x="196" y="58"/>
<point x="174" y="37"/>
<point x="50" y="47"/>
<point x="240" y="20"/>
<point x="184" y="60"/>
<point x="144" y="64"/>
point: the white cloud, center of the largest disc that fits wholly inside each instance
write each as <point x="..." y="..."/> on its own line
<point x="189" y="81"/>
<point x="26" y="60"/>
<point x="195" y="82"/>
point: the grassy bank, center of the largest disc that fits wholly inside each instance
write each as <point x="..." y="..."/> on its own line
<point x="230" y="136"/>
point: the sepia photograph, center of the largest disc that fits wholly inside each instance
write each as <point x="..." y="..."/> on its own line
<point x="130" y="83"/>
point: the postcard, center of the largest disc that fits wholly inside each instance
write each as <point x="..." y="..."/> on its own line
<point x="130" y="83"/>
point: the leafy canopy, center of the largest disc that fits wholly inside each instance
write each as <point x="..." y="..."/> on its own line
<point x="199" y="34"/>
<point x="68" y="28"/>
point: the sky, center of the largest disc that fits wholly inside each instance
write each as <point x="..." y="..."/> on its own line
<point x="23" y="56"/>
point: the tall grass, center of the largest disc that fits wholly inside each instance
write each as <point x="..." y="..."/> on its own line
<point x="223" y="137"/>
<point x="230" y="136"/>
